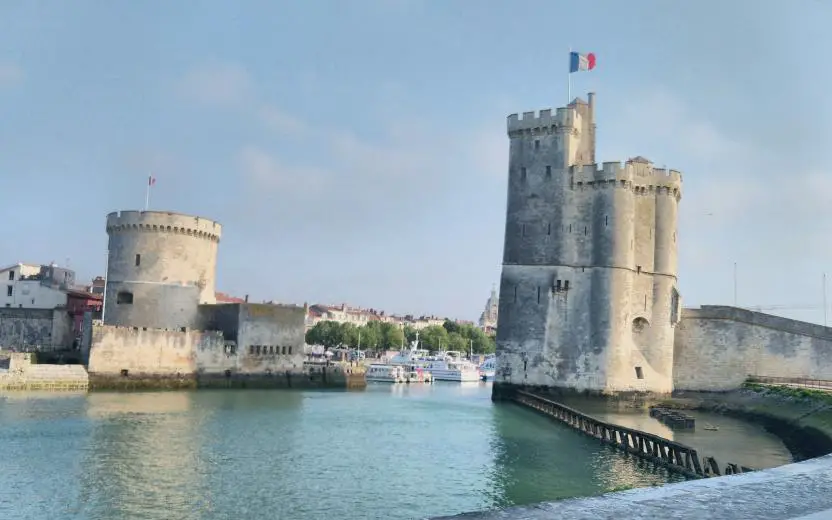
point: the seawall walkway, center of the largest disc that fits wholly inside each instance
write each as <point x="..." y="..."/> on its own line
<point x="799" y="491"/>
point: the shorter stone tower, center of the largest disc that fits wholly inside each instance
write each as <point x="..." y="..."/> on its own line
<point x="160" y="267"/>
<point x="588" y="297"/>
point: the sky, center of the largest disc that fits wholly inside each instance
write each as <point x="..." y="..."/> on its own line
<point x="356" y="151"/>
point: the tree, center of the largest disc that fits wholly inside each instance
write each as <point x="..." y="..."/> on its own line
<point x="451" y="326"/>
<point x="392" y="336"/>
<point x="434" y="337"/>
<point x="457" y="342"/>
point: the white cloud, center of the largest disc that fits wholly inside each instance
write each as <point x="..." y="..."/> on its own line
<point x="282" y="122"/>
<point x="265" y="172"/>
<point x="10" y="74"/>
<point x="217" y="84"/>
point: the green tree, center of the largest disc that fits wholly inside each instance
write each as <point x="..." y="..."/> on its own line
<point x="349" y="334"/>
<point x="370" y="337"/>
<point x="457" y="342"/>
<point x="434" y="337"/>
<point x="392" y="336"/>
<point x="409" y="334"/>
<point x="326" y="333"/>
<point x="451" y="326"/>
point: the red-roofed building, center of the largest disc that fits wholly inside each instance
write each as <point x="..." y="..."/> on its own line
<point x="79" y="302"/>
<point x="225" y="298"/>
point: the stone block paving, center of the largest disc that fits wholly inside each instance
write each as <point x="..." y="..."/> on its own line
<point x="800" y="491"/>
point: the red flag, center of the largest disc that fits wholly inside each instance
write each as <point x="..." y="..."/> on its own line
<point x="151" y="180"/>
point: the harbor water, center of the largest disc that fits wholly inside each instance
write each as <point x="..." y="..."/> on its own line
<point x="390" y="451"/>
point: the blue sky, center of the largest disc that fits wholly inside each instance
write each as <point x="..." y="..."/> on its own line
<point x="356" y="151"/>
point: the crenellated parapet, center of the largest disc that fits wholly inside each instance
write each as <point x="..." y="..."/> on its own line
<point x="544" y="122"/>
<point x="637" y="175"/>
<point x="163" y="222"/>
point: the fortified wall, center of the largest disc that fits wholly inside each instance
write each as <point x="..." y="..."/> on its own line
<point x="717" y="348"/>
<point x="161" y="326"/>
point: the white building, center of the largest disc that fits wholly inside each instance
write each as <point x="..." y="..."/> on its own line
<point x="31" y="286"/>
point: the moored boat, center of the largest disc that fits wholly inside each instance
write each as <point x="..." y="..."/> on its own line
<point x="488" y="369"/>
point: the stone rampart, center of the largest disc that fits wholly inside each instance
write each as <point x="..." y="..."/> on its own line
<point x="717" y="348"/>
<point x="133" y="351"/>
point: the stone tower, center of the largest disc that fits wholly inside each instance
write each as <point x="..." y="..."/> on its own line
<point x="588" y="297"/>
<point x="160" y="267"/>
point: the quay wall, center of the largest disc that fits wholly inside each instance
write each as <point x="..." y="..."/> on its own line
<point x="23" y="374"/>
<point x="716" y="348"/>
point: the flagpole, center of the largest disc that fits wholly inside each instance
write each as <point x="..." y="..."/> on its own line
<point x="569" y="80"/>
<point x="147" y="195"/>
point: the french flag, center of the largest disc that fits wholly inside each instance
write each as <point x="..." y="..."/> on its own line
<point x="579" y="62"/>
<point x="151" y="180"/>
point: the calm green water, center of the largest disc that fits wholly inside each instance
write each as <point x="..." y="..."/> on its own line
<point x="387" y="452"/>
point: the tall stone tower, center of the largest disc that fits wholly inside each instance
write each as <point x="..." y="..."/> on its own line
<point x="160" y="267"/>
<point x="588" y="297"/>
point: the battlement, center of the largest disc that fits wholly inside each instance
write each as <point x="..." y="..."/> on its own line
<point x="163" y="222"/>
<point x="636" y="174"/>
<point x="566" y="117"/>
<point x="99" y="326"/>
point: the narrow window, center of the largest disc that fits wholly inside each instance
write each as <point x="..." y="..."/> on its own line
<point x="538" y="294"/>
<point x="606" y="220"/>
<point x="515" y="294"/>
<point x="9" y="290"/>
<point x="584" y="230"/>
<point x="124" y="372"/>
<point x="566" y="285"/>
<point x="125" y="298"/>
<point x="570" y="228"/>
<point x="138" y="260"/>
<point x="537" y="144"/>
<point x="11" y="275"/>
<point x="523" y="174"/>
<point x="549" y="229"/>
<point x="557" y="286"/>
<point x="251" y="349"/>
<point x="548" y="172"/>
<point x="638" y="269"/>
<point x="283" y="350"/>
<point x="639" y="373"/>
<point x="257" y="349"/>
<point x="645" y="302"/>
<point x="290" y="350"/>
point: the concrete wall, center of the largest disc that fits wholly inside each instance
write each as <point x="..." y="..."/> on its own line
<point x="47" y="328"/>
<point x="588" y="296"/>
<point x="166" y="262"/>
<point x="717" y="348"/>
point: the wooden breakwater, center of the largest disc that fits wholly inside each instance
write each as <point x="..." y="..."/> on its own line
<point x="673" y="418"/>
<point x="669" y="454"/>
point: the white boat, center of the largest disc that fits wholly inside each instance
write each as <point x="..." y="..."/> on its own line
<point x="386" y="373"/>
<point x="460" y="371"/>
<point x="488" y="369"/>
<point x="383" y="373"/>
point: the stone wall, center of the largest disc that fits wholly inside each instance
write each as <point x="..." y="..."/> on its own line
<point x="48" y="329"/>
<point x="161" y="266"/>
<point x="23" y="374"/>
<point x="717" y="348"/>
<point x="149" y="352"/>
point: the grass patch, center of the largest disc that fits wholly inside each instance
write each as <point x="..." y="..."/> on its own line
<point x="791" y="391"/>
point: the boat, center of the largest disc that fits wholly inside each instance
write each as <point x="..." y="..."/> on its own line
<point x="446" y="370"/>
<point x="488" y="368"/>
<point x="386" y="373"/>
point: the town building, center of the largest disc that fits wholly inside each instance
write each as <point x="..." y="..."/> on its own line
<point x="488" y="318"/>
